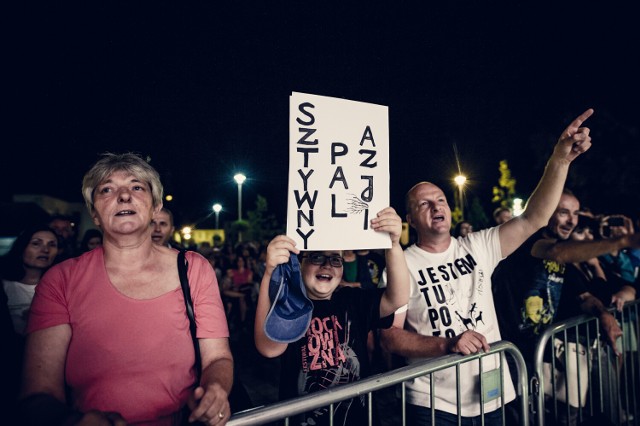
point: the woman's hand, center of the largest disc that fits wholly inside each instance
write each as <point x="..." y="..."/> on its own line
<point x="209" y="405"/>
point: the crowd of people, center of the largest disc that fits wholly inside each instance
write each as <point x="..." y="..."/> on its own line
<point x="99" y="330"/>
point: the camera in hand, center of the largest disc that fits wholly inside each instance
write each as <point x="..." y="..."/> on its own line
<point x="610" y="222"/>
<point x="585" y="221"/>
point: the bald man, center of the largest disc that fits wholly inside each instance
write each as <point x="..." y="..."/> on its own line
<point x="451" y="308"/>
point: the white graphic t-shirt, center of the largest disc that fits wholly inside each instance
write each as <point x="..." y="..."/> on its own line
<point x="451" y="293"/>
<point x="19" y="297"/>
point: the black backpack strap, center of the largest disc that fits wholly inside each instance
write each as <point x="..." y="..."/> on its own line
<point x="183" y="265"/>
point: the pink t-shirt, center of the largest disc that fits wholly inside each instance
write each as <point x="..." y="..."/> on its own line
<point x="127" y="355"/>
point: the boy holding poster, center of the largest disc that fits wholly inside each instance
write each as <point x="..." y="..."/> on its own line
<point x="333" y="350"/>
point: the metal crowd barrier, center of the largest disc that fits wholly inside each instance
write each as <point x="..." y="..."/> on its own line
<point x="327" y="397"/>
<point x="596" y="383"/>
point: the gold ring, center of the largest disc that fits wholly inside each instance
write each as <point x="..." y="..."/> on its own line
<point x="221" y="415"/>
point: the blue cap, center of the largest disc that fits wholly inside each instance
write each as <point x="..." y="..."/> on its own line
<point x="291" y="310"/>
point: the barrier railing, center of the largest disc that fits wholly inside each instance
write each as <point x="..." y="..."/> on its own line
<point x="585" y="378"/>
<point x="630" y="321"/>
<point x="328" y="397"/>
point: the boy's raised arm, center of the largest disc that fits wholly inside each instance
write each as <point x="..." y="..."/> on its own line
<point x="396" y="294"/>
<point x="278" y="252"/>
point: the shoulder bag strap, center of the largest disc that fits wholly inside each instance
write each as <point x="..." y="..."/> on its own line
<point x="186" y="291"/>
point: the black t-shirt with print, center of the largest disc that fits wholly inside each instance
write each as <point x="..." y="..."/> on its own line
<point x="528" y="292"/>
<point x="333" y="352"/>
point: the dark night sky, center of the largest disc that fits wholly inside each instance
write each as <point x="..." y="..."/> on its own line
<point x="203" y="89"/>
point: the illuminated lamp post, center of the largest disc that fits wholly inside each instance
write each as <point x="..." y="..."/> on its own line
<point x="460" y="181"/>
<point x="217" y="208"/>
<point x="240" y="178"/>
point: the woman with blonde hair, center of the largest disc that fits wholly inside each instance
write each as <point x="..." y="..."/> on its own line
<point x="111" y="326"/>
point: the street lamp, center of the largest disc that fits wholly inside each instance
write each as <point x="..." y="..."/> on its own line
<point x="186" y="235"/>
<point x="216" y="208"/>
<point x="460" y="181"/>
<point x="240" y="178"/>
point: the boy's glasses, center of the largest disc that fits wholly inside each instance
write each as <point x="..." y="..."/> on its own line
<point x="320" y="259"/>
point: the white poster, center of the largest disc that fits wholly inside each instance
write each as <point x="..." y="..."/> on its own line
<point x="338" y="172"/>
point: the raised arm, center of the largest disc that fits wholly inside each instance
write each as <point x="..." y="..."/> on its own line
<point x="278" y="252"/>
<point x="397" y="290"/>
<point x="579" y="251"/>
<point x="573" y="141"/>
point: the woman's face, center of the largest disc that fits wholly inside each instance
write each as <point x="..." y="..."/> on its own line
<point x="41" y="250"/>
<point x="123" y="205"/>
<point x="582" y="234"/>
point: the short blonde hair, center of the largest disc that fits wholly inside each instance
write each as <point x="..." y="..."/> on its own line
<point x="128" y="162"/>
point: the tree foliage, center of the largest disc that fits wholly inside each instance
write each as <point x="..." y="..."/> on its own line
<point x="262" y="225"/>
<point x="456" y="216"/>
<point x="505" y="192"/>
<point x="477" y="215"/>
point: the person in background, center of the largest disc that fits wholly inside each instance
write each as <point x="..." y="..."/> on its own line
<point x="618" y="264"/>
<point x="260" y="264"/>
<point x="131" y="358"/>
<point x="65" y="228"/>
<point x="462" y="229"/>
<point x="212" y="257"/>
<point x="238" y="290"/>
<point x="91" y="239"/>
<point x="451" y="307"/>
<point x="356" y="270"/>
<point x="539" y="286"/>
<point x="502" y="214"/>
<point x="614" y="284"/>
<point x="205" y="249"/>
<point x="162" y="227"/>
<point x="611" y="283"/>
<point x="31" y="255"/>
<point x="634" y="256"/>
<point x="375" y="263"/>
<point x="532" y="281"/>
<point x="21" y="268"/>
